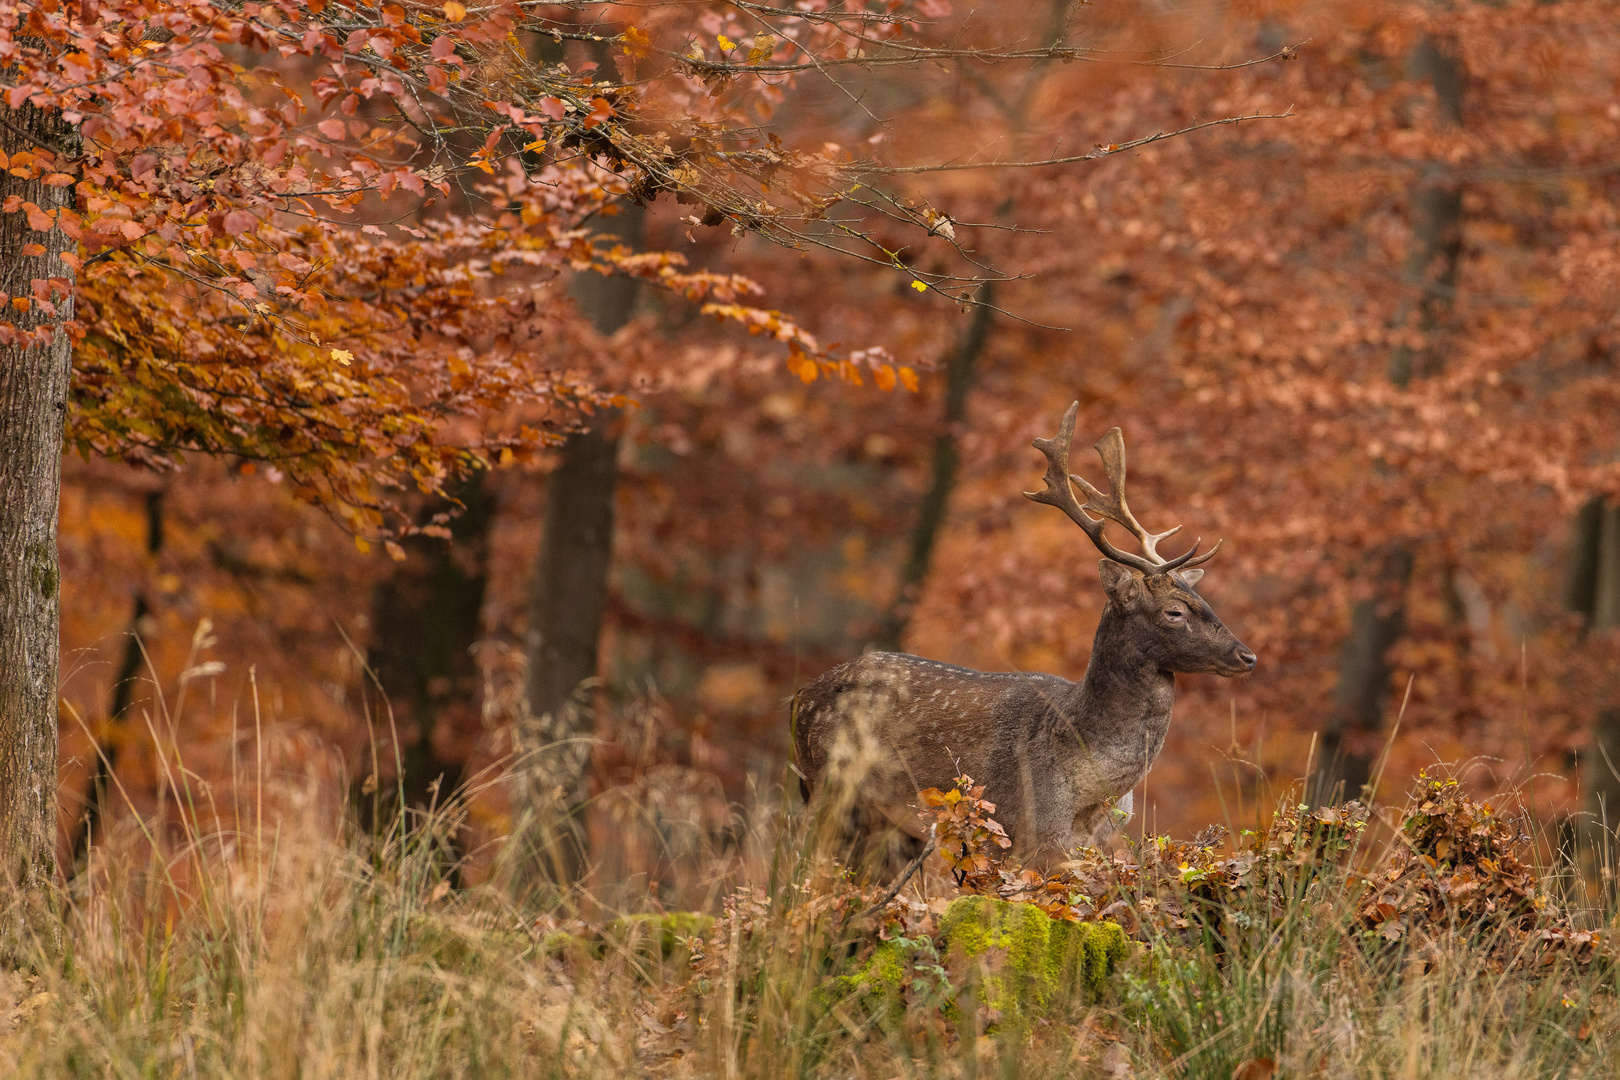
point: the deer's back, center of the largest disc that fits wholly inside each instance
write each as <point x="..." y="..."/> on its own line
<point x="888" y="725"/>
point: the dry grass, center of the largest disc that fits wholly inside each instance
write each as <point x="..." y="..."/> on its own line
<point x="209" y="945"/>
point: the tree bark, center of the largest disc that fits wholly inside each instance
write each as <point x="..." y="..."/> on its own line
<point x="568" y="601"/>
<point x="1345" y="756"/>
<point x="959" y="371"/>
<point x="34" y="379"/>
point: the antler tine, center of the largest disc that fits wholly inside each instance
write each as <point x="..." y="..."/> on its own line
<point x="1185" y="560"/>
<point x="1111" y="448"/>
<point x="1058" y="493"/>
<point x="1112" y="506"/>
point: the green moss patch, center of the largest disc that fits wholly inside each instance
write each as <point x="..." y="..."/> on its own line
<point x="660" y="936"/>
<point x="1019" y="961"/>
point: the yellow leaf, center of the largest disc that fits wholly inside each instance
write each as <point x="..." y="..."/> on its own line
<point x="919" y="286"/>
<point x="634" y="41"/>
<point x="884" y="377"/>
<point x="342" y="356"/>
<point x="453" y="11"/>
<point x="764" y="45"/>
<point x="804" y="367"/>
<point x="908" y="379"/>
<point x="482" y="163"/>
<point x="361" y="545"/>
<point x="536" y="146"/>
<point x="726" y="44"/>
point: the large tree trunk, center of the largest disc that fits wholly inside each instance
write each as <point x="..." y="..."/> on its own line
<point x="568" y="601"/>
<point x="33" y="406"/>
<point x="959" y="371"/>
<point x="1347" y="752"/>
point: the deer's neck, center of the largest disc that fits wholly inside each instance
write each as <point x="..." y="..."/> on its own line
<point x="1123" y="704"/>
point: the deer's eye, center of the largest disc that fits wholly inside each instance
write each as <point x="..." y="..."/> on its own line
<point x="1174" y="614"/>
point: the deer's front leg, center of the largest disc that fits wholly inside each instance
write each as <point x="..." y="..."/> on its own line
<point x="1124" y="810"/>
<point x="1094" y="825"/>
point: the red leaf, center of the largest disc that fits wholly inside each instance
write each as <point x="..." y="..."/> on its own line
<point x="601" y="110"/>
<point x="238" y="222"/>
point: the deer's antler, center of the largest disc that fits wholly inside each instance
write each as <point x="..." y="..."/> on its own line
<point x="1058" y="493"/>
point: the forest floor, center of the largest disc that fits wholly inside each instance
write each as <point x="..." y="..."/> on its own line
<point x="1432" y="938"/>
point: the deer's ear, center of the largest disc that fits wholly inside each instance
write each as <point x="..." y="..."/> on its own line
<point x="1191" y="577"/>
<point x="1123" y="587"/>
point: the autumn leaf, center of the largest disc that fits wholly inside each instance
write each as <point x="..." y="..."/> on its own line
<point x="238" y="222"/>
<point x="454" y="11"/>
<point x="764" y="46"/>
<point x="601" y="110"/>
<point x="634" y="42"/>
<point x="343" y="356"/>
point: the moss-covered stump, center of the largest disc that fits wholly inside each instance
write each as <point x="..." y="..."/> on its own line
<point x="1018" y="961"/>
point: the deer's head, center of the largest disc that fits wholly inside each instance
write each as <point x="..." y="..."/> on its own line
<point x="1153" y="597"/>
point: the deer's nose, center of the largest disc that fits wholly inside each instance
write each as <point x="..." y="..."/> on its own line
<point x="1246" y="658"/>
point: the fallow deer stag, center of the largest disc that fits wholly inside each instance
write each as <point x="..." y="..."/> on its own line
<point x="1058" y="758"/>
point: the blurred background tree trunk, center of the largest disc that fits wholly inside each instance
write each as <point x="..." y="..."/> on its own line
<point x="108" y="742"/>
<point x="568" y="602"/>
<point x="1593" y="590"/>
<point x="959" y="369"/>
<point x="1346" y="751"/>
<point x="426" y="618"/>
